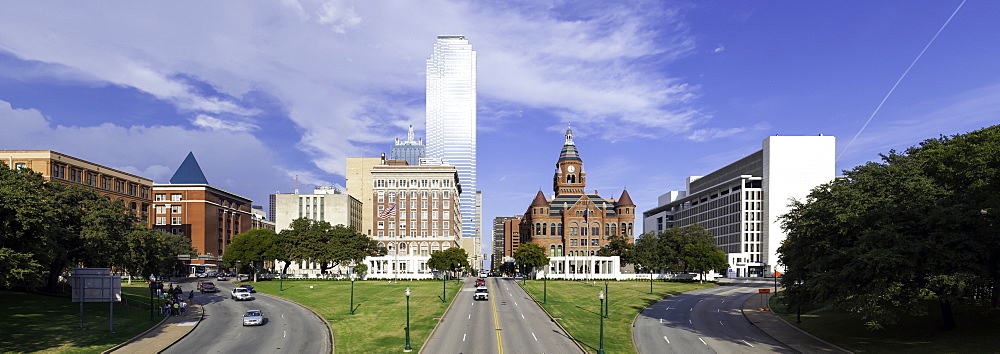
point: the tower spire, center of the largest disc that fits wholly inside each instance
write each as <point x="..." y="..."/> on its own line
<point x="569" y="135"/>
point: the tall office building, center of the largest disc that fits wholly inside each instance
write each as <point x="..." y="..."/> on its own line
<point x="451" y="117"/>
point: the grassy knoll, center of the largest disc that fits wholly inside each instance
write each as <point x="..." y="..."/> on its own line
<point x="576" y="304"/>
<point x="50" y="324"/>
<point x="377" y="323"/>
<point x="976" y="332"/>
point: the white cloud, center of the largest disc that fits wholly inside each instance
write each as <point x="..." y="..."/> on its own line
<point x="213" y="123"/>
<point x="351" y="72"/>
<point x="702" y="135"/>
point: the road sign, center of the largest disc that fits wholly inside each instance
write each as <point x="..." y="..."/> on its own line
<point x="763" y="291"/>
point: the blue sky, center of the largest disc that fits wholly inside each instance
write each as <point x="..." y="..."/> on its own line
<point x="655" y="90"/>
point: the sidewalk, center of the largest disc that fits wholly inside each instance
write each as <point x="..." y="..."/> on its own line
<point x="784" y="332"/>
<point x="170" y="330"/>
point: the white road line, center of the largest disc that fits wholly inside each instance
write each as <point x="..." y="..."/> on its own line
<point x="284" y="334"/>
<point x="515" y="303"/>
<point x="282" y="315"/>
<point x="723" y="301"/>
<point x="720" y="322"/>
<point x="665" y="338"/>
<point x="748" y="343"/>
<point x="463" y="336"/>
<point x="691" y="309"/>
<point x="661" y="321"/>
<point x="239" y="334"/>
<point x="522" y="316"/>
<point x="689" y="321"/>
<point x="470" y="316"/>
<point x="702" y="341"/>
<point x="533" y="336"/>
<point x="718" y="310"/>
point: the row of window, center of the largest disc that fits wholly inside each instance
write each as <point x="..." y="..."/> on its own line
<point x="556" y="229"/>
<point x="162" y="197"/>
<point x="423" y="224"/>
<point x="162" y="209"/>
<point x="413" y="183"/>
<point x="381" y="196"/>
<point x="162" y="220"/>
<point x="93" y="179"/>
<point x="414" y="233"/>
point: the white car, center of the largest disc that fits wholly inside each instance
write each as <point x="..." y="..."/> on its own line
<point x="482" y="293"/>
<point x="241" y="294"/>
<point x="253" y="318"/>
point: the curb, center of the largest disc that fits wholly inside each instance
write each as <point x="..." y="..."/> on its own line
<point x="742" y="311"/>
<point x="321" y="319"/>
<point x="133" y="339"/>
<point x="188" y="332"/>
<point x="811" y="335"/>
<point x="421" y="350"/>
<point x="575" y="341"/>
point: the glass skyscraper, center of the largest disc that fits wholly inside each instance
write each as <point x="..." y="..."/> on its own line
<point x="451" y="117"/>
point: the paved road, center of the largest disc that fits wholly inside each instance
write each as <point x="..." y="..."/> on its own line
<point x="704" y="321"/>
<point x="510" y="322"/>
<point x="288" y="327"/>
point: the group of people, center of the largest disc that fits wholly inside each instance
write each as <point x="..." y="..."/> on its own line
<point x="173" y="301"/>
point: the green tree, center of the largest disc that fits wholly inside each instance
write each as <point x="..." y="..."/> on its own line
<point x="24" y="215"/>
<point x="704" y="257"/>
<point x="451" y="260"/>
<point x="350" y="247"/>
<point x="253" y="248"/>
<point x="618" y="245"/>
<point x="889" y="235"/>
<point x="304" y="240"/>
<point x="530" y="256"/>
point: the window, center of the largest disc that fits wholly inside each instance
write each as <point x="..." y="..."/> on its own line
<point x="423" y="204"/>
<point x="175" y="209"/>
<point x="446" y="214"/>
<point x="434" y="224"/>
<point x="423" y="224"/>
<point x="381" y="225"/>
<point x="423" y="214"/>
<point x="392" y="197"/>
<point x="20" y="165"/>
<point x="572" y="242"/>
<point x="381" y="233"/>
<point x="435" y="214"/>
<point x="447" y="195"/>
<point x="175" y="197"/>
<point x="161" y="209"/>
<point x="160" y="197"/>
<point x="392" y="224"/>
<point x="434" y="195"/>
<point x="435" y="205"/>
<point x="595" y="242"/>
<point x="446" y="204"/>
<point x="444" y="225"/>
<point x="161" y="220"/>
<point x="175" y="220"/>
<point x="381" y="197"/>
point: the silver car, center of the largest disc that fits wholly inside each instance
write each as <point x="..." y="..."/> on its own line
<point x="253" y="318"/>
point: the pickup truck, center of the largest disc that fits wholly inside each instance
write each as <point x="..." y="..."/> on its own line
<point x="207" y="287"/>
<point x="482" y="293"/>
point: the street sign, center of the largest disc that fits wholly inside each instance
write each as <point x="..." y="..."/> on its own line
<point x="763" y="291"/>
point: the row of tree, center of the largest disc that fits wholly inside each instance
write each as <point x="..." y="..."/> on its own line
<point x="921" y="224"/>
<point x="304" y="240"/>
<point x="47" y="227"/>
<point x="676" y="249"/>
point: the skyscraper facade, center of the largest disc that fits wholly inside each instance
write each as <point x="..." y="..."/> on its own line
<point x="451" y="117"/>
<point x="409" y="150"/>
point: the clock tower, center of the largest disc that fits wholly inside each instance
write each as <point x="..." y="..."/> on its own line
<point x="569" y="176"/>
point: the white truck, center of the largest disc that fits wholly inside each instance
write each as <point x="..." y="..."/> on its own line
<point x="482" y="293"/>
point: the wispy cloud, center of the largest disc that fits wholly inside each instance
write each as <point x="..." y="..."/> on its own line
<point x="702" y="135"/>
<point x="213" y="123"/>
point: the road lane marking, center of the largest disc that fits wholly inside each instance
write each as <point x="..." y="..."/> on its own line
<point x="748" y="343"/>
<point x="284" y="334"/>
<point x="282" y="315"/>
<point x="691" y="309"/>
<point x="665" y="338"/>
<point x="496" y="324"/>
<point x="702" y="341"/>
<point x="239" y="334"/>
<point x="463" y="336"/>
<point x="720" y="322"/>
<point x="689" y="321"/>
<point x="533" y="336"/>
<point x="470" y="316"/>
<point x="718" y="310"/>
<point x="522" y="316"/>
<point x="515" y="303"/>
<point x="661" y="321"/>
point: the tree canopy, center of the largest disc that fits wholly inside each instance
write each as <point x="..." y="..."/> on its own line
<point x="328" y="245"/>
<point x="618" y="245"/>
<point x="919" y="224"/>
<point x="530" y="256"/>
<point x="452" y="259"/>
<point x="253" y="248"/>
<point x="679" y="249"/>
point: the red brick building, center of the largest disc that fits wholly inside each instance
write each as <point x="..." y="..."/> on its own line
<point x="573" y="223"/>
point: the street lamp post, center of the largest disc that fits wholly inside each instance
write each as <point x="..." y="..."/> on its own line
<point x="352" y="294"/>
<point x="281" y="281"/>
<point x="444" y="286"/>
<point x="408" y="348"/>
<point x="545" y="289"/>
<point x="608" y="295"/>
<point x="601" y="309"/>
<point x="151" y="311"/>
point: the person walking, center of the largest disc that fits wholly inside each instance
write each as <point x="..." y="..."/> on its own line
<point x="191" y="296"/>
<point x="183" y="307"/>
<point x="176" y="310"/>
<point x="166" y="309"/>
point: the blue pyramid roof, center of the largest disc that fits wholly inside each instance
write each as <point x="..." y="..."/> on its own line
<point x="189" y="172"/>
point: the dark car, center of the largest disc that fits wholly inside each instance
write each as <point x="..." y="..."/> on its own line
<point x="249" y="287"/>
<point x="207" y="287"/>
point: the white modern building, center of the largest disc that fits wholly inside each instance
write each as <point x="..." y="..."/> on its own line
<point x="328" y="204"/>
<point x="740" y="203"/>
<point x="451" y="118"/>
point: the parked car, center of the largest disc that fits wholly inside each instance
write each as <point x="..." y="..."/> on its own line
<point x="207" y="287"/>
<point x="241" y="294"/>
<point x="249" y="287"/>
<point x="482" y="293"/>
<point x="253" y="318"/>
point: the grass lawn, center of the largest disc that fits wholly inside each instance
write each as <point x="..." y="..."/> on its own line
<point x="380" y="315"/>
<point x="576" y="305"/>
<point x="51" y="324"/>
<point x="976" y="333"/>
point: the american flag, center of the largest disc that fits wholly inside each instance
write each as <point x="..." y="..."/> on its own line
<point x="388" y="213"/>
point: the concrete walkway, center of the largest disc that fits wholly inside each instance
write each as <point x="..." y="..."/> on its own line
<point x="170" y="330"/>
<point x="782" y="331"/>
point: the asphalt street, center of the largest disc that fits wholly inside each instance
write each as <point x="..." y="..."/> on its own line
<point x="509" y="322"/>
<point x="287" y="328"/>
<point x="704" y="321"/>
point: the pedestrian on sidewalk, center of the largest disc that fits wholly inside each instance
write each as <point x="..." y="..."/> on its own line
<point x="176" y="310"/>
<point x="166" y="310"/>
<point x="191" y="296"/>
<point x="183" y="307"/>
